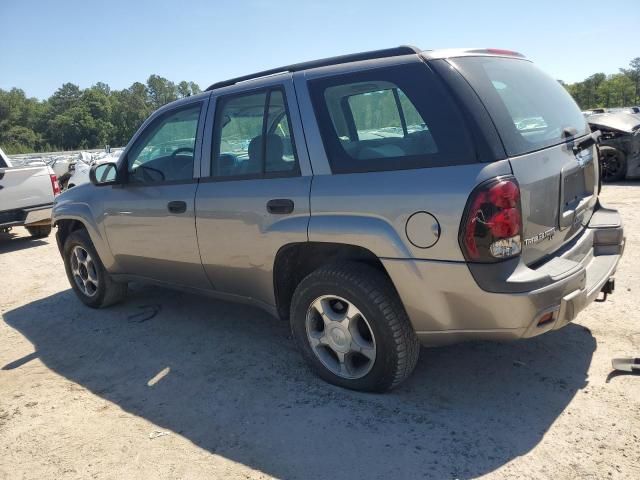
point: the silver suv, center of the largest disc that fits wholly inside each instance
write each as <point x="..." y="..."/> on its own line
<point x="378" y="201"/>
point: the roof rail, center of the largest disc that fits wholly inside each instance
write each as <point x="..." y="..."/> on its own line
<point x="296" y="67"/>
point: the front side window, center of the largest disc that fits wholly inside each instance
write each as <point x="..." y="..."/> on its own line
<point x="389" y="119"/>
<point x="165" y="150"/>
<point x="252" y="136"/>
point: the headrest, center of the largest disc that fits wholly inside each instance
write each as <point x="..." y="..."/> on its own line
<point x="275" y="148"/>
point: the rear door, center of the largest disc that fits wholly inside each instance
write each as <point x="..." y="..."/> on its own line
<point x="539" y="124"/>
<point x="253" y="196"/>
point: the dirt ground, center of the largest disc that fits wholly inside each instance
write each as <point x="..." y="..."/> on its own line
<point x="170" y="385"/>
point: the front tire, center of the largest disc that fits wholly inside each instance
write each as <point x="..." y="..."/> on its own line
<point x="352" y="329"/>
<point x="89" y="279"/>
<point x="39" y="231"/>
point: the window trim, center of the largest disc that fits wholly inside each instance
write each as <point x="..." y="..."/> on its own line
<point x="403" y="120"/>
<point x="149" y="124"/>
<point x="216" y="136"/>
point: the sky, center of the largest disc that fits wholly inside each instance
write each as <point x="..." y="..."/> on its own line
<point x="44" y="44"/>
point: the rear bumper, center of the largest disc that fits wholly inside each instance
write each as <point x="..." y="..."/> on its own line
<point x="447" y="304"/>
<point x="39" y="215"/>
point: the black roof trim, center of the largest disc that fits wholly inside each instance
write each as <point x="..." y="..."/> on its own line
<point x="324" y="62"/>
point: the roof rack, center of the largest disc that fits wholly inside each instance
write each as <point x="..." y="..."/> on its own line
<point x="296" y="67"/>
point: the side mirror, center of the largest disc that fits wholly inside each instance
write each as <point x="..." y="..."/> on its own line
<point x="103" y="174"/>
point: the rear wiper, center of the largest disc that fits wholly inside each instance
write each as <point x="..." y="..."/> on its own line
<point x="588" y="141"/>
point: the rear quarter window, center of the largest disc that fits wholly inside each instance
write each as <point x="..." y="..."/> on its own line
<point x="530" y="109"/>
<point x="391" y="118"/>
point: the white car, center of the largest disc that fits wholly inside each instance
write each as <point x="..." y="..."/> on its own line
<point x="26" y="197"/>
<point x="83" y="165"/>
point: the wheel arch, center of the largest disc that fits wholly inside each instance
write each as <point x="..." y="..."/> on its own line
<point x="68" y="221"/>
<point x="295" y="261"/>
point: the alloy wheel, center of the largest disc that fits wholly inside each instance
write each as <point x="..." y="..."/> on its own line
<point x="84" y="271"/>
<point x="340" y="337"/>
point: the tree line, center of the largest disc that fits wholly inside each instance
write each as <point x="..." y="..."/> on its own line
<point x="620" y="89"/>
<point x="76" y="119"/>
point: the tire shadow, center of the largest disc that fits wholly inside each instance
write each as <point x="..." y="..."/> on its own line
<point x="11" y="242"/>
<point x="228" y="378"/>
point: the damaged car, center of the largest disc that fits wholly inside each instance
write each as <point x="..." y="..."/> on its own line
<point x="619" y="145"/>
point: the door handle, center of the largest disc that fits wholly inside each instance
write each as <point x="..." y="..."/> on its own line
<point x="280" y="206"/>
<point x="177" y="206"/>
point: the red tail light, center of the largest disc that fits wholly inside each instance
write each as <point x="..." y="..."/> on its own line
<point x="55" y="185"/>
<point x="492" y="222"/>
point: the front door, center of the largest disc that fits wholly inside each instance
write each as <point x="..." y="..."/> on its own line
<point x="255" y="198"/>
<point x="150" y="219"/>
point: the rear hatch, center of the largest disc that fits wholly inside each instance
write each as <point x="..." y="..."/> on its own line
<point x="539" y="124"/>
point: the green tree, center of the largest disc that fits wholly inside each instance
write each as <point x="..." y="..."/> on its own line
<point x="633" y="73"/>
<point x="64" y="98"/>
<point x="161" y="91"/>
<point x="130" y="107"/>
<point x="19" y="121"/>
<point x="186" y="89"/>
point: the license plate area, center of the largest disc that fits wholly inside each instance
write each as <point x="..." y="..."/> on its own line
<point x="576" y="189"/>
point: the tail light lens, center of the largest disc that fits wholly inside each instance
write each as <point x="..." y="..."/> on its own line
<point x="55" y="185"/>
<point x="492" y="223"/>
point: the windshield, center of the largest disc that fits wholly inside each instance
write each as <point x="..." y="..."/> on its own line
<point x="530" y="109"/>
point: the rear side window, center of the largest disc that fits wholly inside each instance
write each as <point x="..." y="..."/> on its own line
<point x="391" y="118"/>
<point x="530" y="109"/>
<point x="252" y="136"/>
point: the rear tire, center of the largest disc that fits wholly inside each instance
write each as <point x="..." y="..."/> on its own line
<point x="363" y="339"/>
<point x="613" y="163"/>
<point x="39" y="231"/>
<point x="89" y="279"/>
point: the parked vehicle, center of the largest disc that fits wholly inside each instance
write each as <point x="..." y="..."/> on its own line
<point x="595" y="111"/>
<point x="79" y="173"/>
<point x="631" y="110"/>
<point x="377" y="201"/>
<point x="586" y="113"/>
<point x="619" y="144"/>
<point x="26" y="197"/>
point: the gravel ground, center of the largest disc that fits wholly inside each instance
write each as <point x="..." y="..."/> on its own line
<point x="170" y="385"/>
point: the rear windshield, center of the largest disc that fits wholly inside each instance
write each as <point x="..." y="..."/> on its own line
<point x="531" y="110"/>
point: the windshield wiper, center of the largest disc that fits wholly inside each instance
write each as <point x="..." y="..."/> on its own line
<point x="588" y="141"/>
